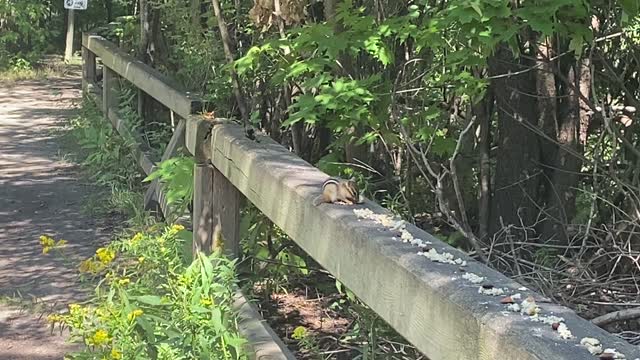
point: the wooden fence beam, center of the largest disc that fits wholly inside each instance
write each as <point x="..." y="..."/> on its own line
<point x="216" y="200"/>
<point x="262" y="341"/>
<point x="427" y="302"/>
<point x="144" y="77"/>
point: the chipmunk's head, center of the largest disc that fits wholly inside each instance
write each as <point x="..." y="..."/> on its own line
<point x="352" y="193"/>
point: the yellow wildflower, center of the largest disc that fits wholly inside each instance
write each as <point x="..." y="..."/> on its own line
<point x="100" y="337"/>
<point x="115" y="354"/>
<point x="74" y="308"/>
<point x="54" y="318"/>
<point x="137" y="237"/>
<point x="177" y="227"/>
<point x="105" y="255"/>
<point x="124" y="281"/>
<point x="141" y="259"/>
<point x="206" y="301"/>
<point x="134" y="314"/>
<point x="47" y="243"/>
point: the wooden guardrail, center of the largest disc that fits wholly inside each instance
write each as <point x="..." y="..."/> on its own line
<point x="434" y="300"/>
<point x="262" y="341"/>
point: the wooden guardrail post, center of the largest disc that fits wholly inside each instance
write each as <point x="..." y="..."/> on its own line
<point x="110" y="87"/>
<point x="226" y="212"/>
<point x="216" y="201"/>
<point x="202" y="207"/>
<point x="88" y="68"/>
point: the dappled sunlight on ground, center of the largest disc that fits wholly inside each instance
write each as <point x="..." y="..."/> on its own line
<point x="40" y="193"/>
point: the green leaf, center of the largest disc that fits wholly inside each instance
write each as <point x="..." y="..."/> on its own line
<point x="150" y="300"/>
<point x="576" y="44"/>
<point x="149" y="329"/>
<point x="476" y="7"/>
<point x="631" y="7"/>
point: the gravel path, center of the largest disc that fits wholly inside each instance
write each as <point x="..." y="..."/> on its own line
<point x="40" y="193"/>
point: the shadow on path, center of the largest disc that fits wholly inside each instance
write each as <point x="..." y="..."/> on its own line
<point x="39" y="194"/>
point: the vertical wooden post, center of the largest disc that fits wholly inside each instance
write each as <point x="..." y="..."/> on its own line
<point x="88" y="69"/>
<point x="226" y="212"/>
<point x="110" y="87"/>
<point x="202" y="208"/>
<point x="216" y="202"/>
<point x="68" y="51"/>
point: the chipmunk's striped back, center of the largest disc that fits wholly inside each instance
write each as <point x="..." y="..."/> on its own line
<point x="330" y="181"/>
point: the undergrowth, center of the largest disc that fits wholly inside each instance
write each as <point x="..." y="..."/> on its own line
<point x="152" y="299"/>
<point x="106" y="160"/>
<point x="153" y="302"/>
<point x="20" y="69"/>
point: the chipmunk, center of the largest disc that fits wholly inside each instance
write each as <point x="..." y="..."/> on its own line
<point x="339" y="191"/>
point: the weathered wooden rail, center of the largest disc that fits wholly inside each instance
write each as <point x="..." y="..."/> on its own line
<point x="429" y="303"/>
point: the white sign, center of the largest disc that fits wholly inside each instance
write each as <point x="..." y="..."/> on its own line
<point x="76" y="4"/>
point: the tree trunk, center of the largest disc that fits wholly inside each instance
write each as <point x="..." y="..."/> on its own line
<point x="517" y="175"/>
<point x="547" y="106"/>
<point x="146" y="53"/>
<point x="561" y="199"/>
<point x="227" y="45"/>
<point x="145" y="32"/>
<point x="108" y="7"/>
<point x="483" y="111"/>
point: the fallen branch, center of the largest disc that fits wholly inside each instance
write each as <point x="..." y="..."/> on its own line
<point x="620" y="315"/>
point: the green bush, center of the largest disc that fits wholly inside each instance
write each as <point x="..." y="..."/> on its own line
<point x="107" y="155"/>
<point x="23" y="34"/>
<point x="150" y="304"/>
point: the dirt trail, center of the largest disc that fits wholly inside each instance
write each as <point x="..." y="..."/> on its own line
<point x="40" y="193"/>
